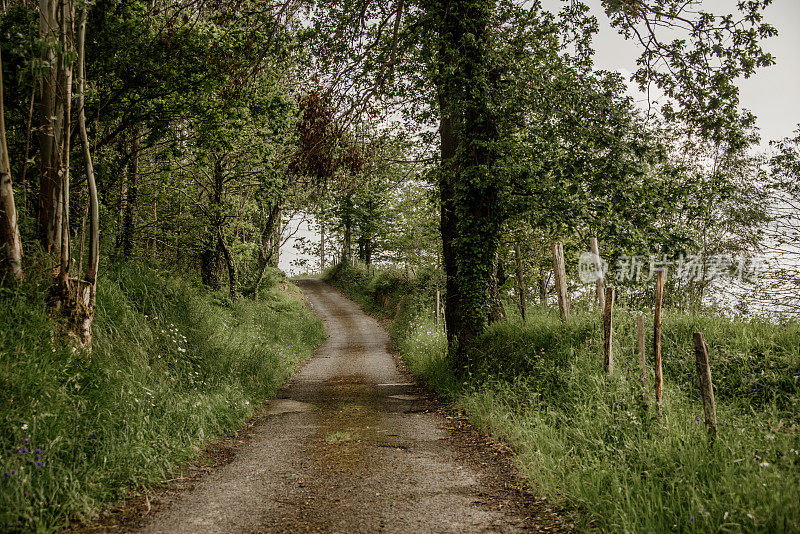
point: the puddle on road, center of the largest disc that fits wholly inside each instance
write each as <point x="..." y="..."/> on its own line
<point x="349" y="417"/>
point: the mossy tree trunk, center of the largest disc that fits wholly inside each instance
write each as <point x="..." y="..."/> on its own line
<point x="471" y="214"/>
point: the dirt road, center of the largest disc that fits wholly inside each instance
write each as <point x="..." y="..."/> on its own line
<point x="350" y="445"/>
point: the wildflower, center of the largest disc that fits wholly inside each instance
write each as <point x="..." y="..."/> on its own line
<point x="691" y="518"/>
<point x="764" y="464"/>
<point x="26" y="441"/>
<point x="13" y="472"/>
<point x="751" y="516"/>
<point x="698" y="420"/>
<point x="758" y="457"/>
<point x="25" y="425"/>
<point x="770" y="436"/>
<point x="6" y="474"/>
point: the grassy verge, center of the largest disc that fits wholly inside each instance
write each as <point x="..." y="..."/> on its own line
<point x="595" y="444"/>
<point x="172" y="368"/>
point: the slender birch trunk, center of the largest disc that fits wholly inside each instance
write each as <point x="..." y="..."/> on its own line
<point x="87" y="288"/>
<point x="11" y="259"/>
<point x="51" y="113"/>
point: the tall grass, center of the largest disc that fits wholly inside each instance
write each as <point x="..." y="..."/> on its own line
<point x="172" y="367"/>
<point x="600" y="446"/>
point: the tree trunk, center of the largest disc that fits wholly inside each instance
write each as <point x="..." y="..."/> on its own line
<point x="268" y="247"/>
<point x="471" y="212"/>
<point x="497" y="311"/>
<point x="51" y="112"/>
<point x="322" y="247"/>
<point x="542" y="287"/>
<point x="67" y="45"/>
<point x="212" y="250"/>
<point x="11" y="258"/>
<point x="132" y="193"/>
<point x="275" y="250"/>
<point x="523" y="307"/>
<point x="231" y="267"/>
<point x="447" y="227"/>
<point x="87" y="289"/>
<point x="347" y="246"/>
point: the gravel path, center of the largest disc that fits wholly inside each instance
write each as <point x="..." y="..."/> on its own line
<point x="350" y="445"/>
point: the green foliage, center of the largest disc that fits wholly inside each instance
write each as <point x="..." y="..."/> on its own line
<point x="698" y="69"/>
<point x="172" y="367"/>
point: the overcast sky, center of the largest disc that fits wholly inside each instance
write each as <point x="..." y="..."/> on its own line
<point x="773" y="94"/>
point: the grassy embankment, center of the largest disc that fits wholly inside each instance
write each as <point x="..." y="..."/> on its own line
<point x="173" y="367"/>
<point x="591" y="443"/>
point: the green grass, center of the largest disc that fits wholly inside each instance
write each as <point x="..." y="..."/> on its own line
<point x="172" y="368"/>
<point x="593" y="444"/>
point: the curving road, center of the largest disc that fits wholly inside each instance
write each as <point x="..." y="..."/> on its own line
<point x="349" y="446"/>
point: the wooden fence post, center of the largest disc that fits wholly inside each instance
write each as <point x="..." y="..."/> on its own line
<point x="560" y="272"/>
<point x="659" y="385"/>
<point x="608" y="332"/>
<point x="706" y="386"/>
<point x="594" y="248"/>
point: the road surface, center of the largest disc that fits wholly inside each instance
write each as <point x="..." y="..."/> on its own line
<point x="350" y="445"/>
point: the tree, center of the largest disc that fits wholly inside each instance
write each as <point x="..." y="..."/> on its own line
<point x="493" y="75"/>
<point x="11" y="260"/>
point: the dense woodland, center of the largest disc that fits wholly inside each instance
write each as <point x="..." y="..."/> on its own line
<point x="447" y="142"/>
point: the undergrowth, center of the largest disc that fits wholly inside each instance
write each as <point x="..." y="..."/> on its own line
<point x="598" y="445"/>
<point x="172" y="367"/>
